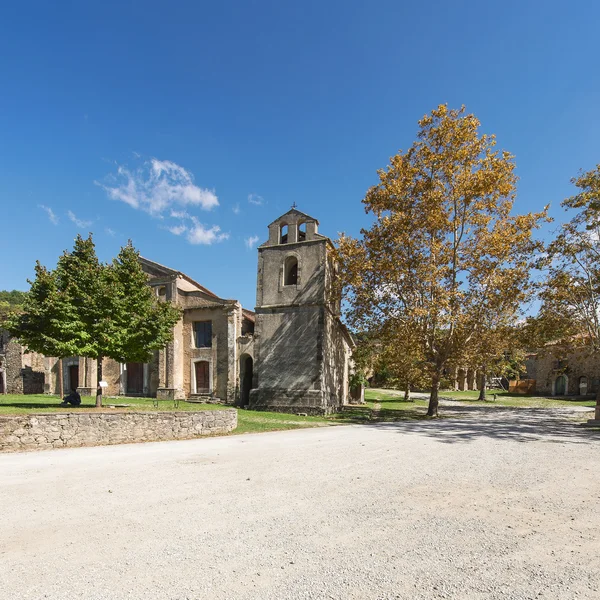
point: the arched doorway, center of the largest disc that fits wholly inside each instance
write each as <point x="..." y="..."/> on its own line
<point x="560" y="386"/>
<point x="246" y="365"/>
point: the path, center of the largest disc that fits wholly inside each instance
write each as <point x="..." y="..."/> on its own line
<point x="503" y="506"/>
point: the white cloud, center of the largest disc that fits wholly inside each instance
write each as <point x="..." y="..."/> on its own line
<point x="251" y="241"/>
<point x="51" y="214"/>
<point x="156" y="186"/>
<point x="256" y="199"/>
<point x="178" y="229"/>
<point x="79" y="222"/>
<point x="110" y="231"/>
<point x="236" y="209"/>
<point x="199" y="234"/>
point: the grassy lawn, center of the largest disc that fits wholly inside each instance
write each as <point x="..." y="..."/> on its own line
<point x="248" y="420"/>
<point x="508" y="399"/>
<point x="381" y="405"/>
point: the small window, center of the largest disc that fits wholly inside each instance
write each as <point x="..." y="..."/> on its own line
<point x="203" y="334"/>
<point x="284" y="234"/>
<point x="162" y="290"/>
<point x="301" y="232"/>
<point x="291" y="271"/>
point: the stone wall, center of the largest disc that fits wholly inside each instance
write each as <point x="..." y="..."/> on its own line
<point x="550" y="364"/>
<point x="68" y="430"/>
<point x="24" y="370"/>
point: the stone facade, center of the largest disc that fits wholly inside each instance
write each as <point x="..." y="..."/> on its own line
<point x="298" y="359"/>
<point x="575" y="373"/>
<point x="302" y="349"/>
<point x="68" y="430"/>
<point x="21" y="372"/>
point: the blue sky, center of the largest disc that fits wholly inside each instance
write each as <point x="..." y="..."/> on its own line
<point x="189" y="126"/>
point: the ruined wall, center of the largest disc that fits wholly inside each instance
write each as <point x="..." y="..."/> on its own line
<point x="288" y="358"/>
<point x="67" y="430"/>
<point x="548" y="365"/>
<point x="217" y="355"/>
<point x="25" y="371"/>
<point x="335" y="363"/>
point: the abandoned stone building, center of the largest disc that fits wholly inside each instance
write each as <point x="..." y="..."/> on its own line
<point x="293" y="354"/>
<point x="21" y="372"/>
<point x="556" y="373"/>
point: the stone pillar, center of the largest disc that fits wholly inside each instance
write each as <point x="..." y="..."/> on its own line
<point x="470" y="379"/>
<point x="233" y="317"/>
<point x="122" y="378"/>
<point x="146" y="380"/>
<point x="461" y="383"/>
<point x="85" y="375"/>
<point x="454" y="379"/>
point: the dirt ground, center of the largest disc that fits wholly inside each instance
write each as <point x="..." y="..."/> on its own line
<point x="491" y="503"/>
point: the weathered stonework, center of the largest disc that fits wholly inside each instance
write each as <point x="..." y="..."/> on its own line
<point x="302" y="349"/>
<point x="578" y="370"/>
<point x="298" y="360"/>
<point x="68" y="430"/>
<point x="21" y="372"/>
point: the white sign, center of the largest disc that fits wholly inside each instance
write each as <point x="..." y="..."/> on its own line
<point x="104" y="384"/>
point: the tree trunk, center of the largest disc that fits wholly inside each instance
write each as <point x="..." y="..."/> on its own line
<point x="597" y="411"/>
<point x="432" y="411"/>
<point x="483" y="384"/>
<point x="99" y="388"/>
<point x="407" y="393"/>
<point x="61" y="390"/>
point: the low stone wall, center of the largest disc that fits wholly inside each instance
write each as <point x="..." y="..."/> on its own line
<point x="68" y="430"/>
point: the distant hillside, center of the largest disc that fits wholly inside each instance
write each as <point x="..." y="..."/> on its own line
<point x="13" y="298"/>
<point x="10" y="301"/>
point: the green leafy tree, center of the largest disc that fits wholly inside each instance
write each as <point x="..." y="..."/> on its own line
<point x="86" y="308"/>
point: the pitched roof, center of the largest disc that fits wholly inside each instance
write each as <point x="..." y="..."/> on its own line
<point x="294" y="211"/>
<point x="167" y="271"/>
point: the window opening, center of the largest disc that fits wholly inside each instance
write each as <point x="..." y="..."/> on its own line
<point x="203" y="334"/>
<point x="291" y="271"/>
<point x="301" y="232"/>
<point x="284" y="234"/>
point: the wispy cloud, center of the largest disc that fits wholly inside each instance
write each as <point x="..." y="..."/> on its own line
<point x="110" y="231"/>
<point x="51" y="214"/>
<point x="157" y="186"/>
<point x="251" y="241"/>
<point x="256" y="199"/>
<point x="79" y="222"/>
<point x="178" y="229"/>
<point x="196" y="232"/>
<point x="199" y="234"/>
<point x="236" y="209"/>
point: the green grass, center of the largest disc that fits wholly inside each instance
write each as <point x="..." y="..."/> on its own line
<point x="13" y="404"/>
<point x="249" y="421"/>
<point x="255" y="421"/>
<point x="508" y="399"/>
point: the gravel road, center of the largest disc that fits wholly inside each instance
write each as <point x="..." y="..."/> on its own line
<point x="489" y="504"/>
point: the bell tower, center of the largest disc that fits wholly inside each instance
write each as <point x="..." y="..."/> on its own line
<point x="293" y="337"/>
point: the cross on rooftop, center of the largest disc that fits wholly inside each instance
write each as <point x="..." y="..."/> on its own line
<point x="294" y="205"/>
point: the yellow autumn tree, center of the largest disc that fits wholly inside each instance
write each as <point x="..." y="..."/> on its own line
<point x="570" y="311"/>
<point x="444" y="255"/>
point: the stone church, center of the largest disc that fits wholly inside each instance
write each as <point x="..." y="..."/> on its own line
<point x="293" y="354"/>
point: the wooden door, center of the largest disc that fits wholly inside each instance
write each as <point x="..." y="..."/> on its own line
<point x="561" y="385"/>
<point x="135" y="378"/>
<point x="202" y="377"/>
<point x="73" y="377"/>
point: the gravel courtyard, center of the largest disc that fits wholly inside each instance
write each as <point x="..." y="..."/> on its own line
<point x="491" y="503"/>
